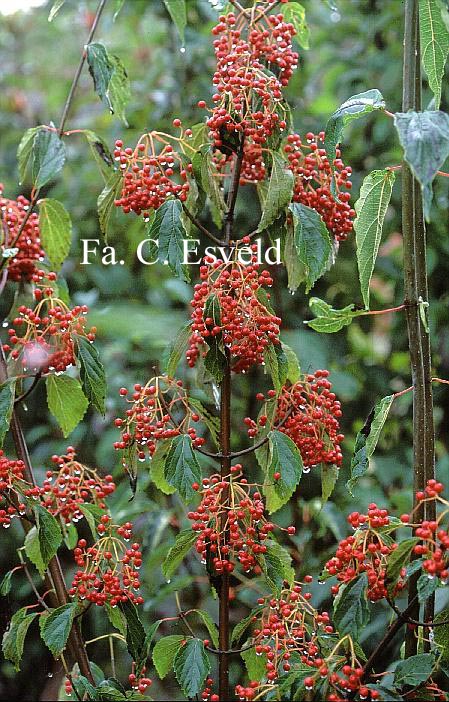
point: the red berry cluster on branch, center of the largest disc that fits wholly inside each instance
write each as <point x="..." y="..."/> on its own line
<point x="231" y="523"/>
<point x="71" y="485"/>
<point x="108" y="570"/>
<point x="366" y="551"/>
<point x="434" y="548"/>
<point x="21" y="265"/>
<point x="149" y="174"/>
<point x="157" y="411"/>
<point x="309" y="413"/>
<point x="43" y="339"/>
<point x="313" y="182"/>
<point x="246" y="326"/>
<point x="11" y="473"/>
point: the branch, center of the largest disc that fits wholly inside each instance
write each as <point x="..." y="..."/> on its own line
<point x="200" y="226"/>
<point x="33" y="385"/>
<point x="416" y="622"/>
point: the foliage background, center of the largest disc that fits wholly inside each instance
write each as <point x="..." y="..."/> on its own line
<point x="355" y="45"/>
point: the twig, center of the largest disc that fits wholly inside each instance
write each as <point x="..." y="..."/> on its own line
<point x="200" y="226"/>
<point x="34" y="384"/>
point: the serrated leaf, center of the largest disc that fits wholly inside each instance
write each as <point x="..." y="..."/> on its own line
<point x="100" y="152"/>
<point x="7" y="395"/>
<point x="414" y="670"/>
<point x="105" y="201"/>
<point x="293" y="366"/>
<point x="177" y="349"/>
<point x="116" y="618"/>
<point x="191" y="667"/>
<point x="211" y="422"/>
<point x="33" y="550"/>
<point x="92" y="514"/>
<point x="329" y="477"/>
<point x="426" y="587"/>
<point x="243" y="625"/>
<point x="101" y="70"/>
<point x="397" y="560"/>
<point x="135" y="633"/>
<point x="277" y="364"/>
<point x="157" y="467"/>
<point x="6" y="584"/>
<point x="279" y="192"/>
<point x="290" y="258"/>
<point x="351" y="109"/>
<point x="215" y="360"/>
<point x="434" y="44"/>
<point x="55" y="9"/>
<point x="55" y="627"/>
<point x="181" y="467"/>
<point x="92" y="374"/>
<point x="328" y="319"/>
<point x="441" y="635"/>
<point x="56" y="231"/>
<point x="295" y="14"/>
<point x="25" y="151"/>
<point x="424" y="136"/>
<point x="206" y="176"/>
<point x="312" y="242"/>
<point x="210" y="626"/>
<point x="286" y="460"/>
<point x="178" y="12"/>
<point x="164" y="653"/>
<point x="119" y="90"/>
<point x="49" y="533"/>
<point x="351" y="611"/>
<point x="371" y="208"/>
<point x="276" y="565"/>
<point x="47" y="156"/>
<point x="183" y="543"/>
<point x="366" y="440"/>
<point x="14" y="637"/>
<point x="66" y="401"/>
<point x="168" y="230"/>
<point x="255" y="664"/>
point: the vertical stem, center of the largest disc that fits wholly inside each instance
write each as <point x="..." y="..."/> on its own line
<point x="416" y="288"/>
<point x="223" y="619"/>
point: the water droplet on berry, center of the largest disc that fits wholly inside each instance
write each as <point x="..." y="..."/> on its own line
<point x="182" y="49"/>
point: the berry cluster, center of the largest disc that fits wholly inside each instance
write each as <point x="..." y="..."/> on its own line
<point x="435" y="540"/>
<point x="228" y="309"/>
<point x="21" y="265"/>
<point x="43" y="339"/>
<point x="138" y="681"/>
<point x="309" y="413"/>
<point x="11" y="473"/>
<point x="108" y="570"/>
<point x="157" y="411"/>
<point x="313" y="182"/>
<point x="366" y="551"/>
<point x="72" y="484"/>
<point x="149" y="174"/>
<point x="231" y="524"/>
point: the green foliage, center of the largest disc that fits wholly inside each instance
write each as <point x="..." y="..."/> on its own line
<point x="312" y="243"/>
<point x="56" y="231"/>
<point x="157" y="468"/>
<point x="279" y="192"/>
<point x="414" y="670"/>
<point x="92" y="374"/>
<point x="7" y="394"/>
<point x="371" y="208"/>
<point x="353" y="108"/>
<point x="164" y="653"/>
<point x="183" y="543"/>
<point x="110" y="79"/>
<point x="255" y="664"/>
<point x="178" y="13"/>
<point x="191" y="666"/>
<point x="397" y="560"/>
<point x="276" y="565"/>
<point x="168" y="230"/>
<point x="66" y="401"/>
<point x="182" y="469"/>
<point x="105" y="202"/>
<point x="286" y="460"/>
<point x="55" y="627"/>
<point x="44" y="539"/>
<point x="295" y="13"/>
<point x="14" y="637"/>
<point x="441" y="636"/>
<point x="351" y="611"/>
<point x="434" y="44"/>
<point x="177" y="349"/>
<point x="277" y="364"/>
<point x="210" y="626"/>
<point x="328" y="320"/>
<point x="46" y="156"/>
<point x="136" y="639"/>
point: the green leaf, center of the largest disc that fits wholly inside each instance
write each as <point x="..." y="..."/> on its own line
<point x="93" y="515"/>
<point x="66" y="401"/>
<point x="157" y="467"/>
<point x="291" y="261"/>
<point x="191" y="667"/>
<point x="351" y="611"/>
<point x="106" y="198"/>
<point x="328" y="319"/>
<point x="14" y="637"/>
<point x="164" y="653"/>
<point x="49" y="533"/>
<point x="183" y="543"/>
<point x="178" y="13"/>
<point x="101" y="70"/>
<point x="279" y="192"/>
<point x="55" y="9"/>
<point x="313" y="243"/>
<point x="55" y="627"/>
<point x="135" y="633"/>
<point x="92" y="374"/>
<point x="116" y="618"/>
<point x="25" y="152"/>
<point x="277" y="566"/>
<point x="371" y="208"/>
<point x="211" y="421"/>
<point x="181" y="467"/>
<point x="397" y="560"/>
<point x="177" y="349"/>
<point x="205" y="172"/>
<point x="424" y="136"/>
<point x="119" y="91"/>
<point x="414" y="670"/>
<point x="441" y="635"/>
<point x="277" y="363"/>
<point x="351" y="109"/>
<point x="168" y="230"/>
<point x="101" y="153"/>
<point x="243" y="624"/>
<point x="434" y="44"/>
<point x="293" y="366"/>
<point x="6" y="584"/>
<point x="286" y="460"/>
<point x="366" y="440"/>
<point x="329" y="477"/>
<point x="7" y="394"/>
<point x="47" y="156"/>
<point x="295" y="14"/>
<point x="426" y="587"/>
<point x="33" y="550"/>
<point x="215" y="360"/>
<point x="56" y="231"/>
<point x="255" y="664"/>
<point x="210" y="626"/>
